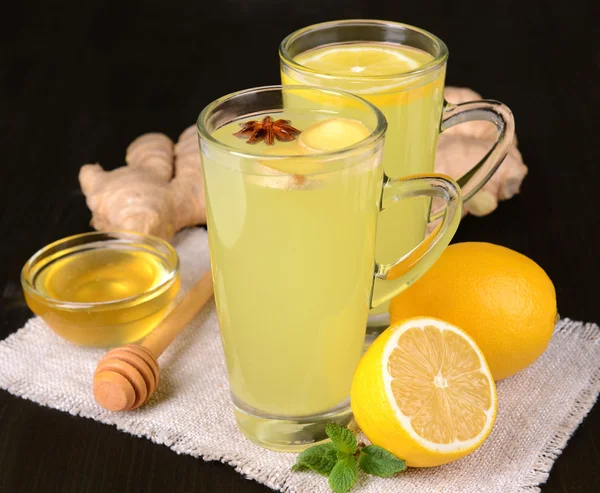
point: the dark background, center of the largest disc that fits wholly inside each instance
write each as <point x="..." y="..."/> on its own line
<point x="79" y="82"/>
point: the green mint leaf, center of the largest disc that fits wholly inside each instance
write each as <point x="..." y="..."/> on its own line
<point x="342" y="437"/>
<point x="379" y="462"/>
<point x="343" y="475"/>
<point x="319" y="458"/>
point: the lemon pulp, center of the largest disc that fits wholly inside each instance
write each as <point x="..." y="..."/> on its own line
<point x="438" y="384"/>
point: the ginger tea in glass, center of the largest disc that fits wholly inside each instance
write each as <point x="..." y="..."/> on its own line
<point x="401" y="70"/>
<point x="294" y="186"/>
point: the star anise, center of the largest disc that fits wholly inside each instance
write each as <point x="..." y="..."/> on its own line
<point x="267" y="130"/>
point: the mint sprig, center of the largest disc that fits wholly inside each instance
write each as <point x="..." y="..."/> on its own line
<point x="341" y="458"/>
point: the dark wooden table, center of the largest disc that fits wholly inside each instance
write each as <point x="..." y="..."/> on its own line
<point x="79" y="82"/>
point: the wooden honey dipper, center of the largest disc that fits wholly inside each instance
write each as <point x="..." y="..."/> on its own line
<point x="127" y="376"/>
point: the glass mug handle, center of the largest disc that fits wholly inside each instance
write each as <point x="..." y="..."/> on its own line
<point x="489" y="111"/>
<point x="391" y="279"/>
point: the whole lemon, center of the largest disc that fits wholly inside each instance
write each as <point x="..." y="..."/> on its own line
<point x="501" y="298"/>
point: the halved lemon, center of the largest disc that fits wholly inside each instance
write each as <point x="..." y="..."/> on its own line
<point x="423" y="391"/>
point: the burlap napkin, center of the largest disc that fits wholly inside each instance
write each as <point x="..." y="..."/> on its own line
<point x="190" y="412"/>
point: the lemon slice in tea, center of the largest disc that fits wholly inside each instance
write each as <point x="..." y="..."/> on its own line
<point x="366" y="59"/>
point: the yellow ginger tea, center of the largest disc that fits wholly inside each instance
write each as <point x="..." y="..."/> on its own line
<point x="292" y="245"/>
<point x="412" y="106"/>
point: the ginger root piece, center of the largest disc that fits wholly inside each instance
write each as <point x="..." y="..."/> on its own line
<point x="160" y="191"/>
<point x="461" y="146"/>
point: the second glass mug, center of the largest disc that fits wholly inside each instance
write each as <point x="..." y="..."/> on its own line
<point x="292" y="241"/>
<point x="413" y="104"/>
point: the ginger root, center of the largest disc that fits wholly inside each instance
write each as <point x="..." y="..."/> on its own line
<point x="461" y="146"/>
<point x="159" y="191"/>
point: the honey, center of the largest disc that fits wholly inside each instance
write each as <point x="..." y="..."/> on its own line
<point x="96" y="276"/>
<point x="102" y="293"/>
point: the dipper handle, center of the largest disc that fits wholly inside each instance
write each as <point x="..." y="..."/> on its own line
<point x="127" y="376"/>
<point x="159" y="339"/>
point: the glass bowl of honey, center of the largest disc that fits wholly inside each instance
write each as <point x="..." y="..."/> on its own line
<point x="102" y="288"/>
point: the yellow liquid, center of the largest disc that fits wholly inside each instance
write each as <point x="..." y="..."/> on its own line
<point x="293" y="267"/>
<point x="101" y="276"/>
<point x="412" y="107"/>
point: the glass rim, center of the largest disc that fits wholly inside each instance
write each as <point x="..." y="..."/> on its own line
<point x="101" y="236"/>
<point x="423" y="69"/>
<point x="376" y="134"/>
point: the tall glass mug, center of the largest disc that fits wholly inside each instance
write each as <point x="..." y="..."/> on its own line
<point x="292" y="243"/>
<point x="400" y="69"/>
